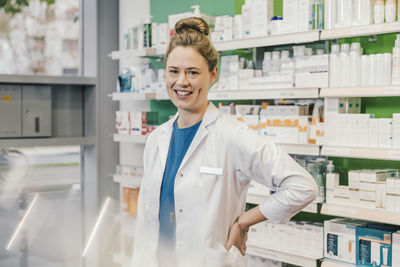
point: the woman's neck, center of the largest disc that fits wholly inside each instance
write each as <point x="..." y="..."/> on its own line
<point x="188" y="118"/>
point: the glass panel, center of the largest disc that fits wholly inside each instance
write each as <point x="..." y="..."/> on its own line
<point x="40" y="39"/>
<point x="40" y="207"/>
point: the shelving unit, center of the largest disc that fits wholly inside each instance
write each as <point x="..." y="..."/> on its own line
<point x="124" y="138"/>
<point x="51" y="141"/>
<point x="292" y="93"/>
<point x="362" y="153"/>
<point x="281" y="256"/>
<point x="128" y="181"/>
<point x="360" y="213"/>
<point x="145" y="52"/>
<point x="364" y="30"/>
<point x="328" y="263"/>
<point x="270" y="40"/>
<point x="44" y="79"/>
<point x="364" y="91"/>
<point x="117" y="96"/>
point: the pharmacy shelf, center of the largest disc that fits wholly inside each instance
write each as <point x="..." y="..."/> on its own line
<point x="363" y="91"/>
<point x="362" y="153"/>
<point x="125" y="138"/>
<point x="257" y="199"/>
<point x="50" y="141"/>
<point x="270" y="40"/>
<point x="145" y="52"/>
<point x="311" y="150"/>
<point x="46" y="79"/>
<point x="263" y="94"/>
<point x="361" y="213"/>
<point x="119" y="96"/>
<point x="128" y="181"/>
<point x="364" y="30"/>
<point x="281" y="256"/>
<point x="328" y="263"/>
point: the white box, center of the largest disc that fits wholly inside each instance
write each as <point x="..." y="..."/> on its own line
<point x="290" y="16"/>
<point x="390" y="203"/>
<point x="237" y="27"/>
<point x="305" y="15"/>
<point x="397" y="204"/>
<point x="354" y="197"/>
<point x="372" y="176"/>
<point x="367" y="204"/>
<point x="340" y="239"/>
<point x="122" y="124"/>
<point x="385" y="126"/>
<point x="385" y="141"/>
<point x="365" y="186"/>
<point x="381" y="195"/>
<point x="373" y="133"/>
<point x="332" y="180"/>
<point x="136" y="123"/>
<point x="396" y="249"/>
<point x="367" y="195"/>
<point x="354" y="179"/>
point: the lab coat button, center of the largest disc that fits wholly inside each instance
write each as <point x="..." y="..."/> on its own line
<point x="181" y="174"/>
<point x="181" y="210"/>
<point x="181" y="244"/>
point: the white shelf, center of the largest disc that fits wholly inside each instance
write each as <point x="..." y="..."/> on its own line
<point x="118" y="96"/>
<point x="47" y="79"/>
<point x="328" y="263"/>
<point x="360" y="30"/>
<point x="46" y="141"/>
<point x="312" y="150"/>
<point x="125" y="138"/>
<point x="145" y="52"/>
<point x="363" y="91"/>
<point x="280" y="256"/>
<point x="263" y="94"/>
<point x="362" y="153"/>
<point x="128" y="181"/>
<point x="270" y="40"/>
<point x="360" y="213"/>
<point x="257" y="199"/>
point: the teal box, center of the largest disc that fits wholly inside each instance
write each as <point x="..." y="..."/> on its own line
<point x="374" y="247"/>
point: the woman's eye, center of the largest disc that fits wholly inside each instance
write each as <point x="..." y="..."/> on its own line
<point x="173" y="71"/>
<point x="193" y="73"/>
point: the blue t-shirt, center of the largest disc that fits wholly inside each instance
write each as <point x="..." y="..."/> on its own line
<point x="179" y="144"/>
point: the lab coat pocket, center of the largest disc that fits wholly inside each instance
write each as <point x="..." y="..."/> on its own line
<point x="209" y="178"/>
<point x="218" y="256"/>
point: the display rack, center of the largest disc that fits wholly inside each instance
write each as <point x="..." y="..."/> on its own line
<point x="270" y="40"/>
<point x="328" y="263"/>
<point x="281" y="256"/>
<point x="128" y="181"/>
<point x="364" y="30"/>
<point x="144" y="52"/>
<point x="362" y="153"/>
<point x="363" y="91"/>
<point x="360" y="213"/>
<point x="117" y="96"/>
<point x="272" y="93"/>
<point x="51" y="141"/>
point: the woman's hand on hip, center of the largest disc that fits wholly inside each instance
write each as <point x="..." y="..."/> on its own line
<point x="237" y="237"/>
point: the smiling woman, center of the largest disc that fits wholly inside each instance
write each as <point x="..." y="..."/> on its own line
<point x="198" y="167"/>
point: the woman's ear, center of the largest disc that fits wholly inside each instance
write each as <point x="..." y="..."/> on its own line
<point x="214" y="75"/>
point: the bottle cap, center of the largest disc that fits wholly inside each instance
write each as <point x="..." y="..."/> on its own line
<point x="267" y="55"/>
<point x="355" y="46"/>
<point x="285" y="55"/>
<point x="345" y="48"/>
<point x="276" y="55"/>
<point x="335" y="49"/>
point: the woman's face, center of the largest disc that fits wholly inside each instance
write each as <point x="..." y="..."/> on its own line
<point x="188" y="79"/>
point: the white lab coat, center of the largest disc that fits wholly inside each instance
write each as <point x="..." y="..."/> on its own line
<point x="210" y="190"/>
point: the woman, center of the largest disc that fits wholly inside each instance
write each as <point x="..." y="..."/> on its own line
<point x="198" y="166"/>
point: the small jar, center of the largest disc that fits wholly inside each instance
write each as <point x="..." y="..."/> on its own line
<point x="275" y="25"/>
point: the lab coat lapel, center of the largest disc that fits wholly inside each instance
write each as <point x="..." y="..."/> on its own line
<point x="164" y="140"/>
<point x="209" y="117"/>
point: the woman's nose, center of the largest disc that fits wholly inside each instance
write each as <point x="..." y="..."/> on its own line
<point x="182" y="79"/>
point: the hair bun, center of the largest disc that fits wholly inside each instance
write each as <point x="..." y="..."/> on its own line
<point x="192" y="24"/>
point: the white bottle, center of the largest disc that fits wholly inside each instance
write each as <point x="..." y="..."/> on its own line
<point x="344" y="62"/>
<point x="343" y="13"/>
<point x="390" y="10"/>
<point x="396" y="62"/>
<point x="365" y="70"/>
<point x="362" y="12"/>
<point x="379" y="75"/>
<point x="196" y="11"/>
<point x="276" y="61"/>
<point x="355" y="64"/>
<point x="334" y="65"/>
<point x="330" y="14"/>
<point x="267" y="63"/>
<point x="379" y="11"/>
<point x="387" y="69"/>
<point x="246" y="19"/>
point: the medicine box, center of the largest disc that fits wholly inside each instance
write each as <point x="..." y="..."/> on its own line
<point x="374" y="247"/>
<point x="340" y="239"/>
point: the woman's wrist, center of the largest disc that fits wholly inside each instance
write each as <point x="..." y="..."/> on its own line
<point x="242" y="226"/>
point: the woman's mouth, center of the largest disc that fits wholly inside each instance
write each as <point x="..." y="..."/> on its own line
<point x="181" y="94"/>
